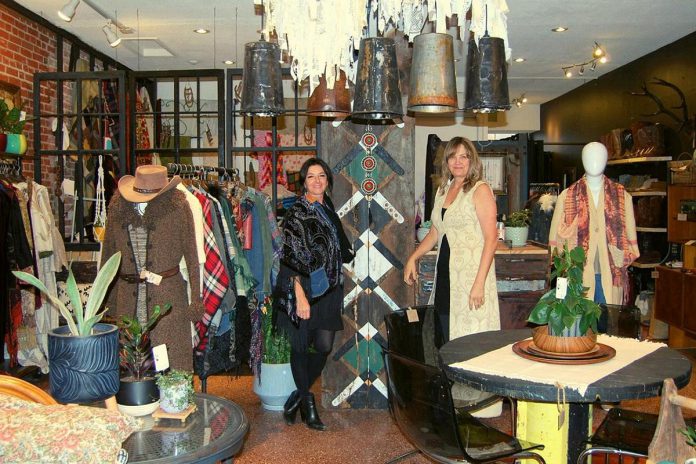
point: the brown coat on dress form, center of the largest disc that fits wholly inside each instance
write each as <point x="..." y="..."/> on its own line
<point x="169" y="223"/>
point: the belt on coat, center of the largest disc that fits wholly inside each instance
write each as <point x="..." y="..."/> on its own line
<point x="136" y="279"/>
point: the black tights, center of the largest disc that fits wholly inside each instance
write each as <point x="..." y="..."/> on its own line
<point x="307" y="365"/>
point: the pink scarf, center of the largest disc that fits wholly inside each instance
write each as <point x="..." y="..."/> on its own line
<point x="577" y="204"/>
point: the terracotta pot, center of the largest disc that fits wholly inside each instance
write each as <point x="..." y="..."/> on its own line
<point x="544" y="341"/>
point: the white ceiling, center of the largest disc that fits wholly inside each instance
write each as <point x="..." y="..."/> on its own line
<point x="627" y="29"/>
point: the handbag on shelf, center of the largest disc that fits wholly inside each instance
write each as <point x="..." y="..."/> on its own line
<point x="683" y="169"/>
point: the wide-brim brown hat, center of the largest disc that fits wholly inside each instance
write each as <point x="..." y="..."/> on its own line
<point x="150" y="181"/>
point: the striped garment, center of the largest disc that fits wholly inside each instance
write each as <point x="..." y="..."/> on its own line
<point x="215" y="279"/>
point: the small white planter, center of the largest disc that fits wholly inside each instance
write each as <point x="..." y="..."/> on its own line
<point x="422" y="232"/>
<point x="517" y="235"/>
<point x="174" y="399"/>
<point x="275" y="385"/>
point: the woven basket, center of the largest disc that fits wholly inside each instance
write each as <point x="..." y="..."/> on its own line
<point x="683" y="170"/>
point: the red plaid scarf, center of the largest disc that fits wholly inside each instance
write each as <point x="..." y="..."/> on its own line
<point x="577" y="204"/>
<point x="215" y="279"/>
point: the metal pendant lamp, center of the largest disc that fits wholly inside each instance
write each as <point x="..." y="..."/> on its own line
<point x="330" y="103"/>
<point x="433" y="84"/>
<point x="262" y="91"/>
<point x="486" y="78"/>
<point x="377" y="91"/>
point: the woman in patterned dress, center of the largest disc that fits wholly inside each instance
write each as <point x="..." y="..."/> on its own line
<point x="464" y="228"/>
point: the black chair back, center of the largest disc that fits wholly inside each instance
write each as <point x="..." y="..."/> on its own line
<point x="419" y="338"/>
<point x="420" y="400"/>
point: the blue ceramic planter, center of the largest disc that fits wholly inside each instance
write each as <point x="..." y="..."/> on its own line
<point x="83" y="369"/>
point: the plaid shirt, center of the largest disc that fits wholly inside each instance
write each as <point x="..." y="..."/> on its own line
<point x="215" y="279"/>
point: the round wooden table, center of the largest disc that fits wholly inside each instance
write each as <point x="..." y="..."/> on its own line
<point x="538" y="401"/>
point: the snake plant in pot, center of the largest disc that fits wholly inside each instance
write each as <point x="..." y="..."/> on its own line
<point x="82" y="355"/>
<point x="138" y="394"/>
<point x="274" y="383"/>
<point x="570" y="318"/>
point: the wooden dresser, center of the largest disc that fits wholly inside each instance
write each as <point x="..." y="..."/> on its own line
<point x="522" y="277"/>
<point x="675" y="293"/>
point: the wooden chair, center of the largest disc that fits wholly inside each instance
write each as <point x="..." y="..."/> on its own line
<point x="642" y="435"/>
<point x="24" y="390"/>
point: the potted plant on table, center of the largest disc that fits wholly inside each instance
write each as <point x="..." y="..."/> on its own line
<point x="274" y="383"/>
<point x="517" y="227"/>
<point x="138" y="394"/>
<point x="570" y="318"/>
<point x="82" y="355"/>
<point x="12" y="140"/>
<point x="176" y="390"/>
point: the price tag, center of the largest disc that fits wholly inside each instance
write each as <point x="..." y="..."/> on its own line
<point x="681" y="217"/>
<point x="412" y="315"/>
<point x="561" y="287"/>
<point x="159" y="354"/>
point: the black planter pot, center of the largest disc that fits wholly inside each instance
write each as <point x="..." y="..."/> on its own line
<point x="83" y="369"/>
<point x="137" y="392"/>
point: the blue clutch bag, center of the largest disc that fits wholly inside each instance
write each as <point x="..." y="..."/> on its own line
<point x="319" y="282"/>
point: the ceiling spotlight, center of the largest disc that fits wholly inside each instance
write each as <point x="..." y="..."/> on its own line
<point x="524" y="99"/>
<point x="193" y="61"/>
<point x="594" y="65"/>
<point x="582" y="69"/>
<point x="520" y="60"/>
<point x="518" y="103"/>
<point x="567" y="72"/>
<point x="559" y="29"/>
<point x="111" y="37"/>
<point x="598" y="51"/>
<point x="228" y="62"/>
<point x="201" y="30"/>
<point x="603" y="59"/>
<point x="68" y="11"/>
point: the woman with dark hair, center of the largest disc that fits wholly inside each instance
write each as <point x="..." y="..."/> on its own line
<point x="309" y="290"/>
<point x="464" y="228"/>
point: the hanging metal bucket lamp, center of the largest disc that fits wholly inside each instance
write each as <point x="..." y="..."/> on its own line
<point x="433" y="84"/>
<point x="486" y="78"/>
<point x="377" y="91"/>
<point x="262" y="91"/>
<point x="330" y="103"/>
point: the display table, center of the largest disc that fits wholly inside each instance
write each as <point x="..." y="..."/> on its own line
<point x="541" y="403"/>
<point x="214" y="432"/>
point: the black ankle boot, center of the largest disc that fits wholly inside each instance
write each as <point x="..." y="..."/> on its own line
<point x="291" y="407"/>
<point x="309" y="413"/>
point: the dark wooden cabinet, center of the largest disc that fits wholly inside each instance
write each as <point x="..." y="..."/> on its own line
<point x="521" y="280"/>
<point x="675" y="294"/>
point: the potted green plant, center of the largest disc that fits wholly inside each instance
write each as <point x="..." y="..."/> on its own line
<point x="571" y="315"/>
<point x="12" y="140"/>
<point x="517" y="227"/>
<point x="138" y="394"/>
<point x="82" y="355"/>
<point x="423" y="230"/>
<point x="176" y="390"/>
<point x="274" y="383"/>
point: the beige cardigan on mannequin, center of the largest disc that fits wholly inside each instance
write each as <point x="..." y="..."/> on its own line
<point x="598" y="250"/>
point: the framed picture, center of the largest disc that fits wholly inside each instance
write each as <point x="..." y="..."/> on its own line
<point x="11" y="94"/>
<point x="494" y="171"/>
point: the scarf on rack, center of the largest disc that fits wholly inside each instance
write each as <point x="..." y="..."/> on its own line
<point x="311" y="243"/>
<point x="577" y="204"/>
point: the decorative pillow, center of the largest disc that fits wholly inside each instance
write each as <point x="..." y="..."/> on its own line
<point x="30" y="432"/>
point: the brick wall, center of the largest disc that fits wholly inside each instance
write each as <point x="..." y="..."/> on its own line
<point x="27" y="48"/>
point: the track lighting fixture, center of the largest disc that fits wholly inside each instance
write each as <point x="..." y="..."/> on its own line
<point x="68" y="11"/>
<point x="599" y="55"/>
<point x="111" y="37"/>
<point x="519" y="101"/>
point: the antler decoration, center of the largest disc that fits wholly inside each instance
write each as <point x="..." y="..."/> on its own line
<point x="661" y="109"/>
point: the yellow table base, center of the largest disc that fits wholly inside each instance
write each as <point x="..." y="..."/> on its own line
<point x="539" y="423"/>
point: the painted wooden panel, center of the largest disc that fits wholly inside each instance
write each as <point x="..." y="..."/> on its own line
<point x="374" y="196"/>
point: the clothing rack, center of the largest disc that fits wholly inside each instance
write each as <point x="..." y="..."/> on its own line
<point x="202" y="172"/>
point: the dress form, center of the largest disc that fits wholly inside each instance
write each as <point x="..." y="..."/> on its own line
<point x="594" y="160"/>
